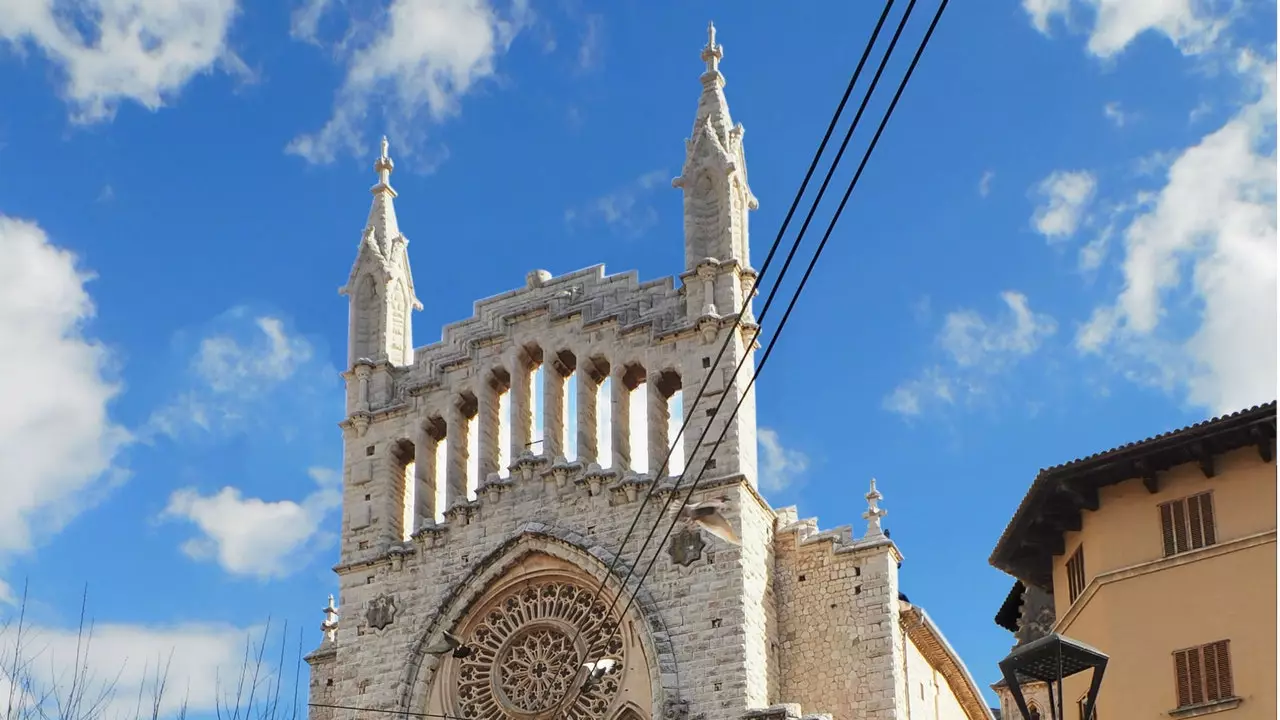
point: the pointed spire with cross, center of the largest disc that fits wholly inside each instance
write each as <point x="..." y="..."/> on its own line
<point x="712" y="53"/>
<point x="330" y="624"/>
<point x="384" y="165"/>
<point x="874" y="512"/>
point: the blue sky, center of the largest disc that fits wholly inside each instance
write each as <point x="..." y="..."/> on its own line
<point x="1065" y="241"/>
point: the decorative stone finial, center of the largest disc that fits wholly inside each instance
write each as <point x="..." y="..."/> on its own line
<point x="874" y="512"/>
<point x="330" y="624"/>
<point x="384" y="165"/>
<point x="712" y="53"/>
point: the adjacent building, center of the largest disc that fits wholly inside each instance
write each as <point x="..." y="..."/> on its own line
<point x="1162" y="554"/>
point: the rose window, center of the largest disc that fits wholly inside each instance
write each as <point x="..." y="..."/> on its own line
<point x="527" y="661"/>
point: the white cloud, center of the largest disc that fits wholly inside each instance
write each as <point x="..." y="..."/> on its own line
<point x="1042" y="11"/>
<point x="1065" y="198"/>
<point x="304" y="22"/>
<point x="972" y="340"/>
<point x="779" y="466"/>
<point x="624" y="209"/>
<point x="115" y="666"/>
<point x="590" y="49"/>
<point x="1216" y="215"/>
<point x="254" y="537"/>
<point x="58" y="445"/>
<point x="1192" y="26"/>
<point x="113" y="50"/>
<point x="977" y="350"/>
<point x="984" y="184"/>
<point x="230" y="376"/>
<point x="1095" y="251"/>
<point x="1117" y="115"/>
<point x="416" y="62"/>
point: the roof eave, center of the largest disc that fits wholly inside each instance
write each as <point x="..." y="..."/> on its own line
<point x="1082" y="478"/>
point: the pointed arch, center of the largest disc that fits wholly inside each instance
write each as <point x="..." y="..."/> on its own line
<point x="537" y="554"/>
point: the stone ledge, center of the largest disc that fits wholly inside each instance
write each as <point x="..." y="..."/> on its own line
<point x="1206" y="708"/>
<point x="591" y="480"/>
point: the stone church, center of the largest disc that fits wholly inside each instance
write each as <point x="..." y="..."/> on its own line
<point x="490" y="477"/>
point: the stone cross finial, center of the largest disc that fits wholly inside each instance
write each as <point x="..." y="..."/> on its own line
<point x="384" y="164"/>
<point x="712" y="53"/>
<point x="330" y="624"/>
<point x="874" y="511"/>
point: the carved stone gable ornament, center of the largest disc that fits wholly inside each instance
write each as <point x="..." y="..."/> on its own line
<point x="381" y="612"/>
<point x="686" y="546"/>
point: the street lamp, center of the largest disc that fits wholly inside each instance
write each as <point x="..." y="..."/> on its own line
<point x="1051" y="659"/>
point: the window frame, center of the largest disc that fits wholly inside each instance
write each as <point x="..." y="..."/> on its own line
<point x="1203" y="675"/>
<point x="1187" y="523"/>
<point x="1077" y="581"/>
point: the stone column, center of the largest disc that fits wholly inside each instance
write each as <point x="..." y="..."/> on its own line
<point x="362" y="387"/>
<point x="659" y="419"/>
<point x="521" y="403"/>
<point x="553" y="417"/>
<point x="425" y="447"/>
<point x="488" y="424"/>
<point x="624" y="383"/>
<point x="588" y="399"/>
<point x="459" y="455"/>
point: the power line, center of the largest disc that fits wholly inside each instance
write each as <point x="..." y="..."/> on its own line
<point x="799" y="289"/>
<point x="773" y="249"/>
<point x="790" y="256"/>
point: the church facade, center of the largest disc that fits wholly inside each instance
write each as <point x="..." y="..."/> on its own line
<point x="469" y="509"/>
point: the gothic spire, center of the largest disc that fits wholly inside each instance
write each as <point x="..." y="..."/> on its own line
<point x="380" y="284"/>
<point x="382" y="215"/>
<point x="714" y="176"/>
<point x="712" y="106"/>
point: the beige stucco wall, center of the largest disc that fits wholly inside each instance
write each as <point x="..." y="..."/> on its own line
<point x="1139" y="607"/>
<point x="929" y="695"/>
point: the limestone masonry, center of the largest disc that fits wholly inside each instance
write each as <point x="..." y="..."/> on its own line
<point x="461" y="512"/>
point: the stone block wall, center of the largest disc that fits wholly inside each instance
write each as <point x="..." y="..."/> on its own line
<point x="707" y="622"/>
<point x="838" y="625"/>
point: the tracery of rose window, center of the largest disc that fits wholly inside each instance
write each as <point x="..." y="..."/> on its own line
<point x="527" y="660"/>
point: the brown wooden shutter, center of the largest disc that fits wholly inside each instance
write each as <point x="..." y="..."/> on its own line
<point x="1206" y="513"/>
<point x="1166" y="529"/>
<point x="1182" y="670"/>
<point x="1180" y="525"/>
<point x="1210" y="674"/>
<point x="1195" y="666"/>
<point x="1197" y="526"/>
<point x="1217" y="661"/>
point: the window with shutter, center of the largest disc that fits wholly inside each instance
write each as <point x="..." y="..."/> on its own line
<point x="1187" y="524"/>
<point x="1075" y="573"/>
<point x="1203" y="674"/>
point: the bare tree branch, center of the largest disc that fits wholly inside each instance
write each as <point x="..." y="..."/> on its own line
<point x="73" y="693"/>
